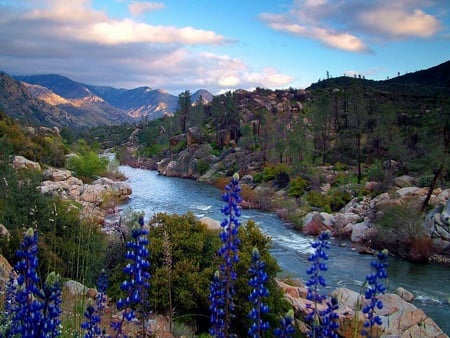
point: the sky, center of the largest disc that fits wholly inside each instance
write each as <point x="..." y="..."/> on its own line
<point x="178" y="45"/>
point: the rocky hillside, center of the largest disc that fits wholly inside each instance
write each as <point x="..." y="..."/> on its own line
<point x="19" y="102"/>
<point x="103" y="105"/>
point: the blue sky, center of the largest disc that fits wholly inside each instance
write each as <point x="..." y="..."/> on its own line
<point x="178" y="44"/>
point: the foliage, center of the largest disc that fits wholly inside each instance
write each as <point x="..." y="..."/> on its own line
<point x="400" y="224"/>
<point x="72" y="247"/>
<point x="88" y="165"/>
<point x="297" y="187"/>
<point x="333" y="200"/>
<point x="37" y="144"/>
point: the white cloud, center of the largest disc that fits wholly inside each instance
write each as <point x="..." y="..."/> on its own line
<point x="137" y="7"/>
<point x="339" y="40"/>
<point x="87" y="45"/>
<point x="129" y="31"/>
<point x="346" y="25"/>
<point x="399" y="22"/>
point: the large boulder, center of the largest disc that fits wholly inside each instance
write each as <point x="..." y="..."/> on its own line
<point x="400" y="318"/>
<point x="314" y="223"/>
<point x="21" y="162"/>
<point x="57" y="175"/>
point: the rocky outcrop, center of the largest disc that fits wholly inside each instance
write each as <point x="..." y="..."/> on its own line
<point x="400" y="318"/>
<point x="187" y="163"/>
<point x="60" y="182"/>
<point x="356" y="220"/>
<point x="21" y="162"/>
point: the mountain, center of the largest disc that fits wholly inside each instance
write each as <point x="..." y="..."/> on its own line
<point x="139" y="102"/>
<point x="434" y="81"/>
<point x="109" y="104"/>
<point x="19" y="103"/>
<point x="74" y="98"/>
<point x="206" y="96"/>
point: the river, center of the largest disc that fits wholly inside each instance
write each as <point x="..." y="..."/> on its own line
<point x="153" y="193"/>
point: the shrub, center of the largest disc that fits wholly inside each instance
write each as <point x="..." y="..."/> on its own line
<point x="375" y="172"/>
<point x="316" y="199"/>
<point x="202" y="166"/>
<point x="89" y="165"/>
<point x="297" y="187"/>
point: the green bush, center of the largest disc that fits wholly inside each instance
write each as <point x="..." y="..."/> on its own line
<point x="317" y="200"/>
<point x="297" y="187"/>
<point x="153" y="150"/>
<point x="337" y="199"/>
<point x="89" y="165"/>
<point x="332" y="201"/>
<point x="202" y="166"/>
<point x="193" y="251"/>
<point x="375" y="172"/>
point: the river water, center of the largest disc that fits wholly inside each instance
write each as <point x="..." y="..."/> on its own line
<point x="153" y="193"/>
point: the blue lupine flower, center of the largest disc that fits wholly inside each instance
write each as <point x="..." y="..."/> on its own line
<point x="222" y="312"/>
<point x="35" y="312"/>
<point x="139" y="276"/>
<point x="9" y="304"/>
<point x="217" y="303"/>
<point x="323" y="323"/>
<point x="286" y="329"/>
<point x="258" y="278"/>
<point x="52" y="310"/>
<point x="93" y="313"/>
<point x="375" y="287"/>
<point x="27" y="315"/>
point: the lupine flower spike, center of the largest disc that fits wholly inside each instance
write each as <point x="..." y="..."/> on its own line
<point x="258" y="278"/>
<point x="35" y="312"/>
<point x="93" y="313"/>
<point x="222" y="313"/>
<point x="52" y="301"/>
<point x="323" y="323"/>
<point x="27" y="311"/>
<point x="217" y="304"/>
<point x="8" y="306"/>
<point x="286" y="329"/>
<point x="375" y="287"/>
<point x="138" y="283"/>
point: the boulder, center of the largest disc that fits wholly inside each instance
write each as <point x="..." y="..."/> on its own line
<point x="5" y="270"/>
<point x="95" y="193"/>
<point x="314" y="224"/>
<point x="404" y="181"/>
<point x="57" y="175"/>
<point x="21" y="162"/>
<point x="407" y="191"/>
<point x="405" y="294"/>
<point x="210" y="223"/>
<point x="194" y="136"/>
<point x="360" y="232"/>
<point x="75" y="288"/>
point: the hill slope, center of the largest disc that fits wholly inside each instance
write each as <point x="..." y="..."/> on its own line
<point x="17" y="102"/>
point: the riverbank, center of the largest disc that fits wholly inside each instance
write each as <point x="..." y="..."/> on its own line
<point x="355" y="221"/>
<point x="429" y="283"/>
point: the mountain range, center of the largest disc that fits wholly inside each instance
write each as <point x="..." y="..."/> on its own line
<point x="55" y="100"/>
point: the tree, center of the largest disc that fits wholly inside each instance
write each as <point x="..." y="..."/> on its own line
<point x="184" y="108"/>
<point x="437" y="139"/>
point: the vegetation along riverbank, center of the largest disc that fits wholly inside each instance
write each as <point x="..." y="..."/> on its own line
<point x="350" y="158"/>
